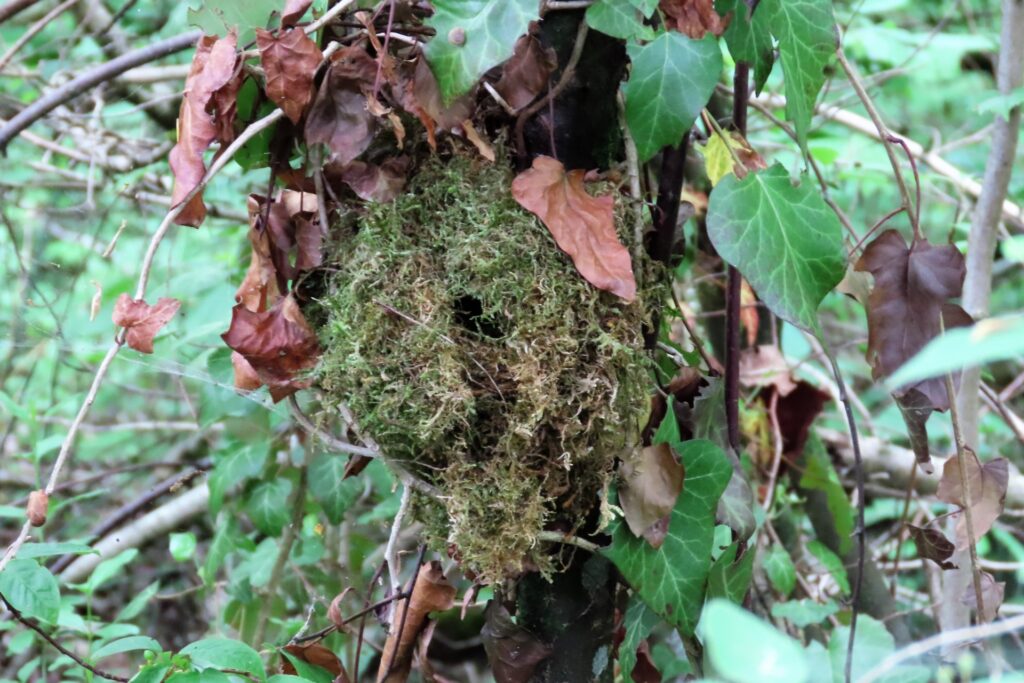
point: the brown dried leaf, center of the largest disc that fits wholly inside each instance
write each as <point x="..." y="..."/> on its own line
<point x="277" y="343"/>
<point x="796" y="413"/>
<point x="339" y="117"/>
<point x="214" y="68"/>
<point x="317" y="655"/>
<point x="992" y="594"/>
<point x="293" y="11"/>
<point x="916" y="409"/>
<point x="693" y="18"/>
<point x="482" y="146"/>
<point x="525" y="75"/>
<point x="290" y="60"/>
<point x="246" y="378"/>
<point x="513" y="651"/>
<point x="143" y="321"/>
<point x="932" y="544"/>
<point x="432" y="593"/>
<point x="376" y="183"/>
<point x="583" y="226"/>
<point x="652" y="479"/>
<point x="428" y="96"/>
<point x="987" y="486"/>
<point x="258" y="290"/>
<point x="748" y="311"/>
<point x="38" y="506"/>
<point x="764" y="366"/>
<point x="906" y="310"/>
<point x="644" y="670"/>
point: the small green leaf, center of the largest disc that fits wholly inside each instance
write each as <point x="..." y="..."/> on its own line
<point x="804" y="612"/>
<point x="108" y="569"/>
<point x="672" y="79"/>
<point x="183" y="546"/>
<point x="154" y="673"/>
<point x="778" y="565"/>
<point x="782" y="237"/>
<point x="672" y="579"/>
<point x="728" y="578"/>
<point x="328" y="487"/>
<point x="233" y="469"/>
<point x="31" y="589"/>
<point x="217" y="17"/>
<point x="745" y="649"/>
<point x="619" y="19"/>
<point x="749" y="38"/>
<point x="307" y="671"/>
<point x="267" y="506"/>
<point x="637" y="624"/>
<point x="224" y="653"/>
<point x="820" y="475"/>
<point x="832" y="564"/>
<point x="805" y="30"/>
<point x="129" y="644"/>
<point x="138" y="603"/>
<point x="473" y="36"/>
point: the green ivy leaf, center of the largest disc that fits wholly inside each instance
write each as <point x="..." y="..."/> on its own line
<point x="730" y="578"/>
<point x="832" y="563"/>
<point x="805" y="30"/>
<point x="820" y="475"/>
<point x="267" y="506"/>
<point x="749" y="38"/>
<point x="31" y="589"/>
<point x="638" y="623"/>
<point x="782" y="237"/>
<point x="741" y="647"/>
<point x="672" y="579"/>
<point x="217" y="17"/>
<point x="778" y="565"/>
<point x="224" y="653"/>
<point x="672" y="79"/>
<point x="804" y="612"/>
<point x="233" y="469"/>
<point x="328" y="487"/>
<point x="619" y="19"/>
<point x="473" y="36"/>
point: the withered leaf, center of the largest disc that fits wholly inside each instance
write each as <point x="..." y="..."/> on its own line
<point x="317" y="655"/>
<point x="992" y="594"/>
<point x="525" y="75"/>
<point x="38" y="506"/>
<point x="513" y="651"/>
<point x="916" y="409"/>
<point x="583" y="226"/>
<point x="143" y="321"/>
<point x="259" y="289"/>
<point x="339" y="117"/>
<point x="290" y="60"/>
<point x="246" y="378"/>
<point x="652" y="479"/>
<point x="432" y="593"/>
<point x="214" y="68"/>
<point x="293" y="11"/>
<point x="334" y="610"/>
<point x="748" y="312"/>
<point x="906" y="309"/>
<point x="375" y="183"/>
<point x="765" y="365"/>
<point x="932" y="544"/>
<point x="693" y="18"/>
<point x="644" y="670"/>
<point x="796" y="413"/>
<point x="428" y="96"/>
<point x="277" y="343"/>
<point x="987" y="487"/>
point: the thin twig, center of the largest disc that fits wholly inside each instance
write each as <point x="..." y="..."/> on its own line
<point x="332" y="442"/>
<point x="568" y="539"/>
<point x="391" y="550"/>
<point x="18" y="616"/>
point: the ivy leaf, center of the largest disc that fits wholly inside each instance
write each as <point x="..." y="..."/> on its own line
<point x="672" y="579"/>
<point x="741" y="647"/>
<point x="329" y="487"/>
<point x="267" y="506"/>
<point x="779" y="568"/>
<point x="651" y="481"/>
<point x="782" y="237"/>
<point x="804" y="612"/>
<point x="217" y="17"/>
<point x="638" y="623"/>
<point x="832" y="564"/>
<point x="473" y="36"/>
<point x="805" y="30"/>
<point x="820" y="475"/>
<point x="730" y="578"/>
<point x="224" y="653"/>
<point x="871" y="645"/>
<point x="526" y="74"/>
<point x="749" y="38"/>
<point x="618" y="19"/>
<point x="31" y="589"/>
<point x="672" y="79"/>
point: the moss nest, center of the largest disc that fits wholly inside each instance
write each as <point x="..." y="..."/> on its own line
<point x="467" y="345"/>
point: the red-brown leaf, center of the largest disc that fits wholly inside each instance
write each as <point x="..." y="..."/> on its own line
<point x="513" y="651"/>
<point x="432" y="593"/>
<point x="290" y="60"/>
<point x="652" y="479"/>
<point x="317" y="655"/>
<point x="246" y="378"/>
<point x="987" y="486"/>
<point x="525" y="75"/>
<point x="376" y="183"/>
<point x="693" y="18"/>
<point x="277" y="343"/>
<point x="213" y="79"/>
<point x="582" y="225"/>
<point x="143" y="321"/>
<point x="339" y="117"/>
<point x="764" y="366"/>
<point x="38" y="506"/>
<point x="293" y="11"/>
<point x="933" y="545"/>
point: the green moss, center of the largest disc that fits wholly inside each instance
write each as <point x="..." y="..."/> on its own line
<point x="469" y="347"/>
